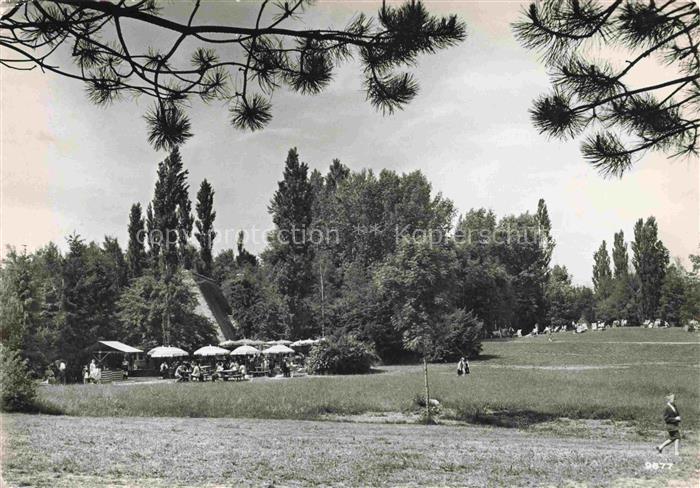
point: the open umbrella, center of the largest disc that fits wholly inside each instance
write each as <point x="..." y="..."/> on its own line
<point x="245" y="351"/>
<point x="306" y="342"/>
<point x="278" y="349"/>
<point x="210" y="351"/>
<point x="241" y="342"/>
<point x="167" y="352"/>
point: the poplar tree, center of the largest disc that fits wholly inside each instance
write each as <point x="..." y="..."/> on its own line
<point x="172" y="218"/>
<point x="290" y="251"/>
<point x="650" y="259"/>
<point x="601" y="269"/>
<point x="136" y="250"/>
<point x="205" y="226"/>
<point x="620" y="257"/>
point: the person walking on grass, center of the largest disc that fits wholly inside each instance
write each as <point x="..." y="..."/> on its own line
<point x="672" y="418"/>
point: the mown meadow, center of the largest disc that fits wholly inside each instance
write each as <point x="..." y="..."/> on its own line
<point x="619" y="374"/>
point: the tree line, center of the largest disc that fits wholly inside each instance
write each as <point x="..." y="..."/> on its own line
<point x="652" y="288"/>
<point x="378" y="257"/>
<point x="54" y="305"/>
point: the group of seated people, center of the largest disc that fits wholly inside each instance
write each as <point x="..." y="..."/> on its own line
<point x="194" y="371"/>
<point x="255" y="366"/>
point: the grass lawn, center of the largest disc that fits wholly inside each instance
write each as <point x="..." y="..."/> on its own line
<point x="619" y="374"/>
<point x="587" y="407"/>
<point x="74" y="452"/>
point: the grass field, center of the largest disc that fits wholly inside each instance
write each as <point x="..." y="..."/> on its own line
<point x="617" y="374"/>
<point x="586" y="407"/>
<point x="75" y="452"/>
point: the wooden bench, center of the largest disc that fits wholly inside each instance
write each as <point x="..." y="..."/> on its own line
<point x="232" y="375"/>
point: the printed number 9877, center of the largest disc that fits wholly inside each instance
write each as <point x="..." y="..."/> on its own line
<point x="657" y="466"/>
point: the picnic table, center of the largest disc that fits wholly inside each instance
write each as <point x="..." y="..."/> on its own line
<point x="260" y="372"/>
<point x="208" y="375"/>
<point x="231" y="374"/>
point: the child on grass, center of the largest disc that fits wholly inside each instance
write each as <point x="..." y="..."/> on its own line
<point x="672" y="418"/>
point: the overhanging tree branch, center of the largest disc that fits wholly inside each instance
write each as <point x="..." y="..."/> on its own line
<point x="266" y="55"/>
<point x="586" y="94"/>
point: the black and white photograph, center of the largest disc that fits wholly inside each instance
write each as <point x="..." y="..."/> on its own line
<point x="349" y="243"/>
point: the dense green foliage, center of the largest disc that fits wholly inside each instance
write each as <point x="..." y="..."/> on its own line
<point x="205" y="226"/>
<point x="652" y="289"/>
<point x="136" y="251"/>
<point x="55" y="305"/>
<point x="144" y="304"/>
<point x="353" y="253"/>
<point x="346" y="355"/>
<point x="18" y="388"/>
<point x="377" y="256"/>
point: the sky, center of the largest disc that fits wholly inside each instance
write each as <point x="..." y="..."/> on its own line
<point x="68" y="166"/>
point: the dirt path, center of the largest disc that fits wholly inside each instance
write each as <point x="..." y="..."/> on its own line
<point x="73" y="451"/>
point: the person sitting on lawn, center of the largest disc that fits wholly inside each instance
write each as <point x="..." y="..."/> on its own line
<point x="672" y="418"/>
<point x="50" y="376"/>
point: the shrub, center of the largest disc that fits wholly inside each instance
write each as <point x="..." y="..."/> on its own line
<point x="346" y="355"/>
<point x="460" y="335"/>
<point x="18" y="388"/>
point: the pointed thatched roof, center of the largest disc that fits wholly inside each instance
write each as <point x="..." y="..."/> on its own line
<point x="211" y="304"/>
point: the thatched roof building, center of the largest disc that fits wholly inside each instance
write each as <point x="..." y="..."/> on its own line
<point x="212" y="304"/>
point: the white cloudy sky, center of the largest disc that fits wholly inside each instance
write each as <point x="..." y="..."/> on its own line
<point x="68" y="166"/>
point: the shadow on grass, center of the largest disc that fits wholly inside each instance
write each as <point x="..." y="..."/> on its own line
<point x="377" y="370"/>
<point x="46" y="408"/>
<point x="485" y="357"/>
<point x="507" y="418"/>
<point x="36" y="408"/>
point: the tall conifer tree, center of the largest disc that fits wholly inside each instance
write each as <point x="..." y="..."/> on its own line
<point x="205" y="225"/>
<point x="601" y="269"/>
<point x="291" y="252"/>
<point x="650" y="259"/>
<point x="620" y="257"/>
<point x="136" y="250"/>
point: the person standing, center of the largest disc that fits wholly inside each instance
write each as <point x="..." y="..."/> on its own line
<point x="196" y="374"/>
<point x="672" y="418"/>
<point x="94" y="372"/>
<point x="461" y="366"/>
<point x="62" y="372"/>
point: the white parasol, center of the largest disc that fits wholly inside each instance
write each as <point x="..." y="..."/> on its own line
<point x="210" y="351"/>
<point x="167" y="352"/>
